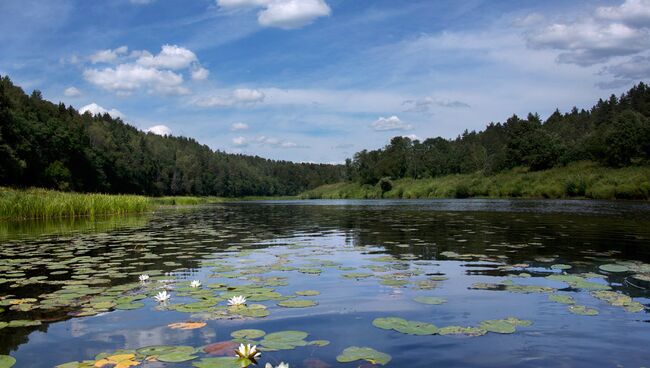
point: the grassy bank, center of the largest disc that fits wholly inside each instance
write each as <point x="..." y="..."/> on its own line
<point x="577" y="180"/>
<point x="48" y="204"/>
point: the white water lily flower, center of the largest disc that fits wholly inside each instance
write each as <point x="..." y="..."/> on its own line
<point x="162" y="296"/>
<point x="143" y="278"/>
<point x="237" y="301"/>
<point x="282" y="365"/>
<point x="195" y="283"/>
<point x="248" y="352"/>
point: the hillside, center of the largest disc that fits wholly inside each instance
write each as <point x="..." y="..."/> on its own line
<point x="43" y="144"/>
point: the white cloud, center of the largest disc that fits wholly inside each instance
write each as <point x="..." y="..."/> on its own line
<point x="71" y="92"/>
<point x="277" y="143"/>
<point x="200" y="73"/>
<point x="285" y="14"/>
<point x="288" y="14"/>
<point x="126" y="78"/>
<point x="240" y="142"/>
<point x="392" y="123"/>
<point x="96" y="109"/>
<point x="628" y="72"/>
<point x="238" y="97"/>
<point x="609" y="32"/>
<point x="635" y="13"/>
<point x="108" y="56"/>
<point x="161" y="73"/>
<point x="412" y="137"/>
<point x="238" y="127"/>
<point x="426" y="104"/>
<point x="170" y="57"/>
<point x="159" y="130"/>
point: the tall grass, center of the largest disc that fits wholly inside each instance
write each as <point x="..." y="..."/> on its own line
<point x="185" y="201"/>
<point x="49" y="204"/>
<point x="577" y="180"/>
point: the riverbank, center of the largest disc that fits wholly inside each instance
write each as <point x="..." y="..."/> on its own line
<point x="576" y="180"/>
<point x="44" y="204"/>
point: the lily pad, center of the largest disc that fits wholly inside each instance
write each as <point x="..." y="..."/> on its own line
<point x="354" y="353"/>
<point x="563" y="299"/>
<point x="248" y="334"/>
<point x="222" y="362"/>
<point x="297" y="303"/>
<point x="308" y="292"/>
<point x="459" y="330"/>
<point x="582" y="310"/>
<point x="7" y="361"/>
<point x="405" y="327"/>
<point x="561" y="266"/>
<point x="613" y="268"/>
<point x="430" y="300"/>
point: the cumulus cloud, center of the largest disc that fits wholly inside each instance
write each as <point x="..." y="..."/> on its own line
<point x="392" y="123"/>
<point x="96" y="109"/>
<point x="159" y="130"/>
<point x="426" y="104"/>
<point x="169" y="57"/>
<point x="277" y="143"/>
<point x="126" y="78"/>
<point x="161" y="73"/>
<point x="238" y="97"/>
<point x="627" y="72"/>
<point x="108" y="56"/>
<point x="285" y="14"/>
<point x="238" y="127"/>
<point x="609" y="32"/>
<point x="240" y="142"/>
<point x="72" y="92"/>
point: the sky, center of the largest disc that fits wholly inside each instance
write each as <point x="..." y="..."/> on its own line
<point x="318" y="80"/>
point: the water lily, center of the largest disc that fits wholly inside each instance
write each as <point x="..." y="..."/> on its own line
<point x="237" y="301"/>
<point x="282" y="365"/>
<point x="162" y="296"/>
<point x="143" y="278"/>
<point x="248" y="352"/>
<point x="195" y="284"/>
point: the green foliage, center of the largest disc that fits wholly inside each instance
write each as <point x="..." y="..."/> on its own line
<point x="615" y="133"/>
<point x="52" y="146"/>
<point x="579" y="179"/>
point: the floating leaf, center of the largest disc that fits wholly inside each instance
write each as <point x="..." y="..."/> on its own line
<point x="221" y="348"/>
<point x="6" y="361"/>
<point x="297" y="303"/>
<point x="187" y="325"/>
<point x="223" y="362"/>
<point x="613" y="268"/>
<point x="563" y="299"/>
<point x="430" y="300"/>
<point x="582" y="310"/>
<point x="404" y="326"/>
<point x="308" y="292"/>
<point x="459" y="330"/>
<point x="319" y="343"/>
<point x="619" y="300"/>
<point x="248" y="334"/>
<point x="354" y="353"/>
<point x="560" y="266"/>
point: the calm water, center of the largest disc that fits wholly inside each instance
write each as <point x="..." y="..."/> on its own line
<point x="547" y="263"/>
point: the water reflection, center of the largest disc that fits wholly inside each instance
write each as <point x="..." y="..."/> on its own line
<point x="437" y="248"/>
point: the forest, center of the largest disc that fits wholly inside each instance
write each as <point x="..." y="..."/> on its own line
<point x="49" y="145"/>
<point x="614" y="133"/>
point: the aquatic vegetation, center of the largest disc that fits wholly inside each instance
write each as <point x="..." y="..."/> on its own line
<point x="248" y="334"/>
<point x="562" y="299"/>
<point x="162" y="296"/>
<point x="613" y="268"/>
<point x="195" y="284"/>
<point x="404" y="326"/>
<point x="460" y="330"/>
<point x="248" y="352"/>
<point x="284" y="340"/>
<point x="619" y="300"/>
<point x="237" y="301"/>
<point x="504" y="326"/>
<point x="143" y="278"/>
<point x="583" y="310"/>
<point x="430" y="300"/>
<point x="308" y="293"/>
<point x="7" y="361"/>
<point x="354" y="353"/>
<point x="297" y="303"/>
<point x="281" y="365"/>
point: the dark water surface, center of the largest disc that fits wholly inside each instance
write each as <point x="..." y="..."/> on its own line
<point x="537" y="261"/>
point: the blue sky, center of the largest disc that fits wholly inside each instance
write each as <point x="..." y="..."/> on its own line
<point x="317" y="80"/>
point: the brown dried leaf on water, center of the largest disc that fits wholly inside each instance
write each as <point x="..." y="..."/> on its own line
<point x="187" y="325"/>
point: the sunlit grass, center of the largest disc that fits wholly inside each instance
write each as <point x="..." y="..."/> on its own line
<point x="46" y="204"/>
<point x="577" y="180"/>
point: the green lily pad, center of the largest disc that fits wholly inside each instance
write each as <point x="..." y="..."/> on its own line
<point x="319" y="342"/>
<point x="560" y="266"/>
<point x="430" y="300"/>
<point x="248" y="334"/>
<point x="308" y="292"/>
<point x="6" y="361"/>
<point x="221" y="362"/>
<point x="354" y="353"/>
<point x="405" y="327"/>
<point x="175" y="357"/>
<point x="284" y="340"/>
<point x="297" y="303"/>
<point x="504" y="326"/>
<point x="460" y="330"/>
<point x="129" y="306"/>
<point x="563" y="299"/>
<point x="613" y="268"/>
<point x="619" y="300"/>
<point x="582" y="310"/>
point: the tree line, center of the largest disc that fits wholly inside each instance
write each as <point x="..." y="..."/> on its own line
<point x="49" y="145"/>
<point x="614" y="132"/>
